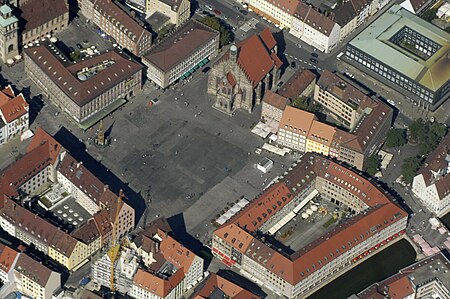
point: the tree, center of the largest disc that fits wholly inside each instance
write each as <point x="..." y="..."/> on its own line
<point x="226" y="36"/>
<point x="410" y="167"/>
<point x="396" y="137"/>
<point x="372" y="164"/>
<point x="75" y="55"/>
<point x="164" y="31"/>
<point x="427" y="134"/>
<point x="306" y="104"/>
<point x="416" y="129"/>
<point x="429" y="15"/>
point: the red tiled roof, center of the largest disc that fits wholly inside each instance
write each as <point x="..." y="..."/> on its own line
<point x="258" y="212"/>
<point x="157" y="285"/>
<point x="381" y="214"/>
<point x="256" y="59"/>
<point x="229" y="289"/>
<point x="231" y="79"/>
<point x="288" y="6"/>
<point x="12" y="107"/>
<point x="7" y="258"/>
<point x="87" y="233"/>
<point x="268" y="39"/>
<point x="40" y="154"/>
<point x="400" y="288"/>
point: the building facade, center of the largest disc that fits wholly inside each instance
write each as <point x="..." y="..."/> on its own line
<point x="9" y="33"/>
<point x="8" y="260"/>
<point x="240" y="78"/>
<point x="300" y="85"/>
<point x="432" y="183"/>
<point x="34" y="279"/>
<point x="177" y="10"/>
<point x="39" y="171"/>
<point x="407" y="53"/>
<point x="14" y="116"/>
<point x="184" y="51"/>
<point x="278" y="12"/>
<point x="42" y="18"/>
<point x="116" y="23"/>
<point x="273" y="106"/>
<point x="299" y="274"/>
<point x="76" y="88"/>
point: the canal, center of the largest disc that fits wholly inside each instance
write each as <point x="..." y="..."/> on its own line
<point x="377" y="268"/>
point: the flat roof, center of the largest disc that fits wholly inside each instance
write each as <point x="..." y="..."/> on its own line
<point x="375" y="40"/>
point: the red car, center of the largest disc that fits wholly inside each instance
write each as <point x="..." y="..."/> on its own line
<point x="217" y="12"/>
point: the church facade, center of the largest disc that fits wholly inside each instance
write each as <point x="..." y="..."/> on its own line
<point x="241" y="77"/>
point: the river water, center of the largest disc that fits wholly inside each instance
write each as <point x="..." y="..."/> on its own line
<point x="378" y="267"/>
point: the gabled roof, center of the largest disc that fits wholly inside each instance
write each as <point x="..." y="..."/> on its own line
<point x="297" y="83"/>
<point x="12" y="107"/>
<point x="273" y="99"/>
<point x="7" y="257"/>
<point x="288" y="6"/>
<point x="33" y="270"/>
<point x="35" y="13"/>
<point x="297" y="120"/>
<point x="157" y="285"/>
<point x="87" y="233"/>
<point x="216" y="285"/>
<point x="311" y="17"/>
<point x="344" y="13"/>
<point x="256" y="57"/>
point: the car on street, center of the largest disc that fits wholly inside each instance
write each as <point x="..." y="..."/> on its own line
<point x="236" y="7"/>
<point x="314" y="55"/>
<point x="79" y="46"/>
<point x="206" y="69"/>
<point x="280" y="84"/>
<point x="293" y="64"/>
<point x="313" y="60"/>
<point x="85" y="42"/>
<point x="298" y="45"/>
<point x="225" y="17"/>
<point x="217" y="12"/>
<point x="244" y="12"/>
<point x="209" y="7"/>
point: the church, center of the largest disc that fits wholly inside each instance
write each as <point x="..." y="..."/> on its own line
<point x="245" y="72"/>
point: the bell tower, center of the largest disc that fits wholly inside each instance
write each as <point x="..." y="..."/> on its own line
<point x="9" y="30"/>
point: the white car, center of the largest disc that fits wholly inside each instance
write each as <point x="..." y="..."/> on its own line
<point x="209" y="7"/>
<point x="225" y="17"/>
<point x="299" y="46"/>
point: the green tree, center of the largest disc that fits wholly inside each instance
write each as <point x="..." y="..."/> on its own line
<point x="164" y="31"/>
<point x="307" y="104"/>
<point x="396" y="137"/>
<point x="410" y="167"/>
<point x="429" y="15"/>
<point x="215" y="23"/>
<point x="75" y="55"/>
<point x="416" y="129"/>
<point x="372" y="164"/>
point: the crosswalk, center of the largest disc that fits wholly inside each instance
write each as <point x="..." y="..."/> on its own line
<point x="249" y="25"/>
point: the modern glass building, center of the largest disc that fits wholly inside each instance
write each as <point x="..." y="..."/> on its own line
<point x="412" y="55"/>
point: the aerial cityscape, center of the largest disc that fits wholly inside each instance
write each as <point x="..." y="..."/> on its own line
<point x="218" y="149"/>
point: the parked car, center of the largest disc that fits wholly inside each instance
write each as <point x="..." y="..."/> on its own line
<point x="244" y="12"/>
<point x="79" y="46"/>
<point x="217" y="12"/>
<point x="209" y="7"/>
<point x="314" y="55"/>
<point x="225" y="17"/>
<point x="299" y="46"/>
<point x="206" y="69"/>
<point x="313" y="60"/>
<point x="293" y="64"/>
<point x="280" y="84"/>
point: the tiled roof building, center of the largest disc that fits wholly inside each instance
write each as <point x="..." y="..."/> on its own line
<point x="66" y="241"/>
<point x="181" y="53"/>
<point x="376" y="221"/>
<point x="242" y="76"/>
<point x="427" y="278"/>
<point x="87" y="87"/>
<point x="14" y="117"/>
<point x="170" y="268"/>
<point x="115" y="22"/>
<point x="216" y="286"/>
<point x="432" y="183"/>
<point x="8" y="259"/>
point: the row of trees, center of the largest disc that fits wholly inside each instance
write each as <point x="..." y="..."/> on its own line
<point x="226" y="35"/>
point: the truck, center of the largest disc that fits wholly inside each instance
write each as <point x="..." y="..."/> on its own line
<point x="339" y="56"/>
